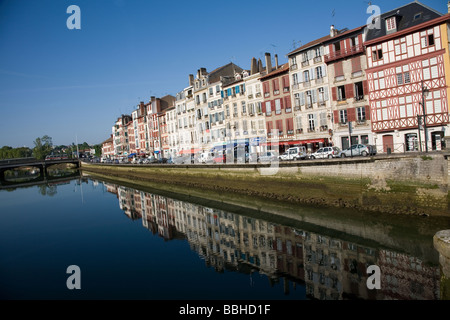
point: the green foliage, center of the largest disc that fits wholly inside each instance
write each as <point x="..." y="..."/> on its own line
<point x="7" y="152"/>
<point x="42" y="147"/>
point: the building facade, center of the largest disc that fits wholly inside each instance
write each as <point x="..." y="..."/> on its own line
<point x="408" y="63"/>
<point x="347" y="64"/>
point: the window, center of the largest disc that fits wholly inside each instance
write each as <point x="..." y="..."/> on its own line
<point x="337" y="46"/>
<point x="297" y="99"/>
<point x="428" y="41"/>
<point x="407" y="77"/>
<point x="390" y="24"/>
<point x="235" y="109"/>
<point x="268" y="108"/>
<point x="319" y="72"/>
<point x="293" y="61"/>
<point x="277" y="106"/>
<point x="343" y="116"/>
<point x="361" y="114"/>
<point x="306" y="76"/>
<point x="295" y="79"/>
<point x="312" y="122"/>
<point x="377" y="54"/>
<point x="341" y="93"/>
<point x="244" y="107"/>
<point x="211" y="92"/>
<point x="400" y="79"/>
<point x="309" y="99"/>
<point x="359" y="91"/>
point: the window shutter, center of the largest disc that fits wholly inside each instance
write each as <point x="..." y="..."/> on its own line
<point x="312" y="73"/>
<point x="336" y="116"/>
<point x="325" y="93"/>
<point x="282" y="104"/>
<point x="324" y="71"/>
<point x="290" y="124"/>
<point x="334" y="93"/>
<point x="263" y="107"/>
<point x="367" y="112"/>
<point x="349" y="91"/>
<point x="365" y="87"/>
<point x="237" y="89"/>
<point x="314" y="96"/>
<point x="338" y="69"/>
<point x="302" y="98"/>
<point x="287" y="102"/>
<point x="356" y="64"/>
<point x="221" y="94"/>
<point x="351" y="114"/>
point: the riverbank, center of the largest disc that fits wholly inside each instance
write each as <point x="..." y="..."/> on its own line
<point x="401" y="185"/>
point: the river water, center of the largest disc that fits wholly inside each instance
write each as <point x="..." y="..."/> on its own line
<point x="132" y="244"/>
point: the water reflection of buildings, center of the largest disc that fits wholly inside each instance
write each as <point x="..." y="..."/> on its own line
<point x="328" y="268"/>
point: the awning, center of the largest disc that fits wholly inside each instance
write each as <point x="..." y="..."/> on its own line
<point x="295" y="142"/>
<point x="190" y="151"/>
<point x="131" y="155"/>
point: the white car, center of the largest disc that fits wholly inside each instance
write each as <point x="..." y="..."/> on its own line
<point x="326" y="152"/>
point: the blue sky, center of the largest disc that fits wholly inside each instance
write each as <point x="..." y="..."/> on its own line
<point x="73" y="84"/>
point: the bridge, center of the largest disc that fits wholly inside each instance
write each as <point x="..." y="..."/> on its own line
<point x="42" y="165"/>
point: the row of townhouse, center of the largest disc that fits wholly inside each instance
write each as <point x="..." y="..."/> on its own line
<point x="382" y="84"/>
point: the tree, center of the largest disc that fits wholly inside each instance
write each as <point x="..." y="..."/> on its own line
<point x="98" y="150"/>
<point x="42" y="147"/>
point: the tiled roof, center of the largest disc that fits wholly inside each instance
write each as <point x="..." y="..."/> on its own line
<point x="275" y="72"/>
<point x="409" y="15"/>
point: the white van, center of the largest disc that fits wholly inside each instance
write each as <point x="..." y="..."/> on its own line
<point x="297" y="153"/>
<point x="205" y="157"/>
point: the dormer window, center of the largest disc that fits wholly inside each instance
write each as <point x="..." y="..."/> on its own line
<point x="391" y="24"/>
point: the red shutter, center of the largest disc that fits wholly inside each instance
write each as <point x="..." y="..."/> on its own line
<point x="276" y="84"/>
<point x="269" y="126"/>
<point x="334" y="93"/>
<point x="287" y="102"/>
<point x="263" y="107"/>
<point x="349" y="92"/>
<point x="336" y="116"/>
<point x="272" y="105"/>
<point x="338" y="69"/>
<point x="365" y="87"/>
<point x="266" y="88"/>
<point x="285" y="82"/>
<point x="290" y="124"/>
<point x="282" y="103"/>
<point x="367" y="112"/>
<point x="356" y="64"/>
<point x="351" y="114"/>
<point x="280" y="125"/>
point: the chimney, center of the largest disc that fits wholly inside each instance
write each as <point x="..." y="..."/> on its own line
<point x="260" y="66"/>
<point x="276" y="61"/>
<point x="332" y="31"/>
<point x="203" y="71"/>
<point x="254" y="66"/>
<point x="448" y="6"/>
<point x="268" y="63"/>
<point x="191" y="80"/>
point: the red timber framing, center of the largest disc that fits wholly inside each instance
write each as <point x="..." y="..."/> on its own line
<point x="408" y="58"/>
<point x="396" y="93"/>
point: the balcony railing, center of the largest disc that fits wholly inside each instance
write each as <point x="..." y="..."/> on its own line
<point x="294" y="67"/>
<point x="344" y="53"/>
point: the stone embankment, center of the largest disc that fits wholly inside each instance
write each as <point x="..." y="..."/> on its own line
<point x="412" y="185"/>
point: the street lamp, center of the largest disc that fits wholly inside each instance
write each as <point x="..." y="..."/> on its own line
<point x="425" y="93"/>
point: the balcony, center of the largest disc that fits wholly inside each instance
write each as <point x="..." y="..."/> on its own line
<point x="276" y="92"/>
<point x="293" y="67"/>
<point x="286" y="89"/>
<point x="344" y="53"/>
<point x="299" y="131"/>
<point x="307" y="84"/>
<point x="319" y="81"/>
<point x="318" y="59"/>
<point x="305" y="63"/>
<point x="295" y="86"/>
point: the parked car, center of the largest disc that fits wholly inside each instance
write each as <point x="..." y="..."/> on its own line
<point x="359" y="150"/>
<point x="269" y="156"/>
<point x="206" y="157"/>
<point x="283" y="157"/>
<point x="296" y="153"/>
<point x="326" y="152"/>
